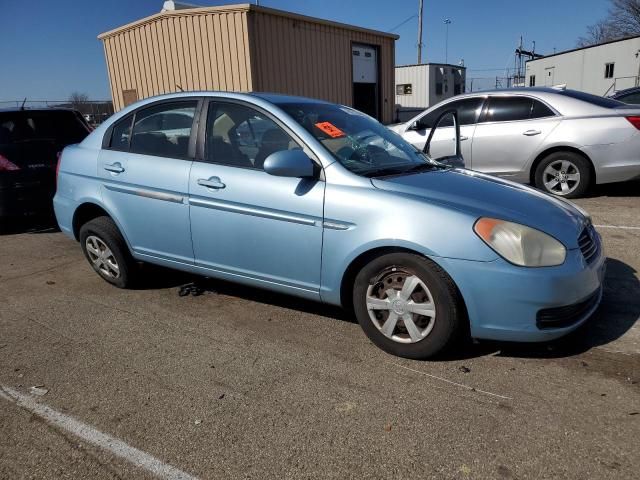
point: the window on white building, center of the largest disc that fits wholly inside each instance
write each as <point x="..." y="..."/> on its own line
<point x="608" y="70"/>
<point x="532" y="80"/>
<point x="404" y="89"/>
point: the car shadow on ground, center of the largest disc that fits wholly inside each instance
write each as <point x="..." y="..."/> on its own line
<point x="621" y="189"/>
<point x="29" y="224"/>
<point x="619" y="311"/>
<point x="154" y="277"/>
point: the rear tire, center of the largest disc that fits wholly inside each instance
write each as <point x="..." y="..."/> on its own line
<point x="408" y="306"/>
<point x="107" y="252"/>
<point x="566" y="174"/>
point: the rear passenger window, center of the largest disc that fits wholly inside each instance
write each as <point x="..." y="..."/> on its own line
<point x="508" y="109"/>
<point x="163" y="130"/>
<point x="121" y="134"/>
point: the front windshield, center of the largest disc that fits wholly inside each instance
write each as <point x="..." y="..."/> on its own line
<point x="357" y="141"/>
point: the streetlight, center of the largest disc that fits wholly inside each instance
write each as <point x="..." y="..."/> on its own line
<point x="447" y="22"/>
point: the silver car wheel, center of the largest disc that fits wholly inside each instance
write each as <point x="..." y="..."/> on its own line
<point x="561" y="177"/>
<point x="401" y="306"/>
<point x="102" y="257"/>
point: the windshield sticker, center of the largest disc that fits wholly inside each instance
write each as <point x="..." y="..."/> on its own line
<point x="330" y="129"/>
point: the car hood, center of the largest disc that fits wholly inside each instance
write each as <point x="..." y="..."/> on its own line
<point x="486" y="196"/>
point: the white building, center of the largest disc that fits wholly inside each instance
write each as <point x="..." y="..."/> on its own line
<point x="421" y="86"/>
<point x="600" y="69"/>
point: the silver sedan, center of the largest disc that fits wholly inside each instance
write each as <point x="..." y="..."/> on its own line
<point x="561" y="141"/>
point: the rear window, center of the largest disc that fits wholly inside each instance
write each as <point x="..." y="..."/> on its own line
<point x="62" y="127"/>
<point x="592" y="99"/>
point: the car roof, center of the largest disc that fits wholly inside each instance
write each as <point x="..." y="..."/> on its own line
<point x="274" y="98"/>
<point x="283" y="98"/>
<point x="37" y="109"/>
<point x="514" y="90"/>
<point x="566" y="105"/>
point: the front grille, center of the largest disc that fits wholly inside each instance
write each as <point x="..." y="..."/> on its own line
<point x="561" y="317"/>
<point x="588" y="243"/>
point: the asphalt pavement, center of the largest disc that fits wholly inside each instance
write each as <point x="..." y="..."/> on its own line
<point x="242" y="383"/>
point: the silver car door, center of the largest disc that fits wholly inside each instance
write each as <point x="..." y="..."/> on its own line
<point x="509" y="133"/>
<point x="443" y="141"/>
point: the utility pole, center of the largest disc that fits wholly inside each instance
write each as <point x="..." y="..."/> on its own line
<point x="447" y="22"/>
<point x="420" y="32"/>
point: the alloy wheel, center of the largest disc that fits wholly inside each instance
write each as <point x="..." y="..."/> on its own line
<point x="401" y="306"/>
<point x="102" y="257"/>
<point x="561" y="177"/>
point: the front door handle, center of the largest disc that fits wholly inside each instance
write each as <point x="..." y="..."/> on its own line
<point x="213" y="182"/>
<point x="531" y="133"/>
<point x="463" y="138"/>
<point x="114" y="168"/>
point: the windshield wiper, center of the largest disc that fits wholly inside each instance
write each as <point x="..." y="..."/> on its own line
<point x="425" y="167"/>
<point x="390" y="171"/>
<point x="385" y="172"/>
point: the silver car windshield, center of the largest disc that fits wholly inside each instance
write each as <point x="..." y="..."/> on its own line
<point x="358" y="142"/>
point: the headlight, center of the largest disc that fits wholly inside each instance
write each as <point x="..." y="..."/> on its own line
<point x="520" y="244"/>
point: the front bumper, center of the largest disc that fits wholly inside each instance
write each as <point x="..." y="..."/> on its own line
<point x="504" y="301"/>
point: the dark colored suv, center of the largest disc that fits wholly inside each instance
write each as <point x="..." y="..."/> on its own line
<point x="30" y="142"/>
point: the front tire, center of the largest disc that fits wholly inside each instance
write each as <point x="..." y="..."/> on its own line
<point x="407" y="305"/>
<point x="107" y="252"/>
<point x="566" y="174"/>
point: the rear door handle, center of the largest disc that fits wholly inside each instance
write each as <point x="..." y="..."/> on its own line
<point x="114" y="168"/>
<point x="213" y="182"/>
<point x="463" y="138"/>
<point x="531" y="133"/>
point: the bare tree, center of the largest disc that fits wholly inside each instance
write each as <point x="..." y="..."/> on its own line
<point x="80" y="101"/>
<point x="599" y="32"/>
<point x="625" y="16"/>
<point x="623" y="20"/>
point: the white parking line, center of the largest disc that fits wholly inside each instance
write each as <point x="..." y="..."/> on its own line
<point x="621" y="227"/>
<point x="95" y="437"/>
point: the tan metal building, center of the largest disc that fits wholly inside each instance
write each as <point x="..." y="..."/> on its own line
<point x="246" y="47"/>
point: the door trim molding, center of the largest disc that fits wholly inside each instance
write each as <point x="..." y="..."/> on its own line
<point x="141" y="192"/>
<point x="256" y="212"/>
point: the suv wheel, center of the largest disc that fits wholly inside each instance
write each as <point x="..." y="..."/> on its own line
<point x="407" y="305"/>
<point x="107" y="252"/>
<point x="566" y="174"/>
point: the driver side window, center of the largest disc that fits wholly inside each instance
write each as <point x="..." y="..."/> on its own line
<point x="240" y="136"/>
<point x="468" y="111"/>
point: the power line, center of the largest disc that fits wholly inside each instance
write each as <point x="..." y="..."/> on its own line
<point x="415" y="15"/>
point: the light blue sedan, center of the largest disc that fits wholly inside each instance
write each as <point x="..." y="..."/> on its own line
<point x="321" y="201"/>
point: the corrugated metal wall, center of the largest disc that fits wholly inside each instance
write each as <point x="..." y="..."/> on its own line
<point x="241" y="48"/>
<point x="418" y="77"/>
<point x="196" y="51"/>
<point x="301" y="57"/>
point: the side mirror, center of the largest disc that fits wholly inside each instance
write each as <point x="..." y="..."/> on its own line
<point x="417" y="126"/>
<point x="289" y="163"/>
<point x="455" y="160"/>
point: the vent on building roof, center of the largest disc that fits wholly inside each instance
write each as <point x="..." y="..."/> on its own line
<point x="170" y="5"/>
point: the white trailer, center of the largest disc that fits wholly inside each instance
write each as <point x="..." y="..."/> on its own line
<point x="600" y="69"/>
<point x="421" y="86"/>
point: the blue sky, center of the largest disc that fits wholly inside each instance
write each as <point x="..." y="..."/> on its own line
<point x="49" y="48"/>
